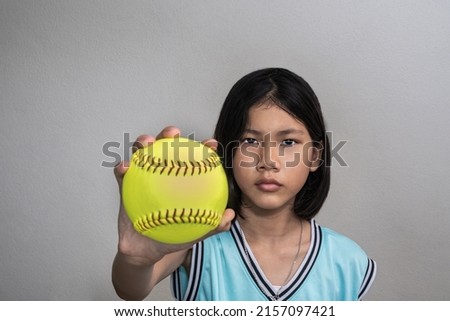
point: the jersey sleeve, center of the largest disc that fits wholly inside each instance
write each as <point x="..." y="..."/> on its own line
<point x="369" y="277"/>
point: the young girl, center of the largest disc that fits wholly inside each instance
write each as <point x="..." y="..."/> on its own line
<point x="272" y="138"/>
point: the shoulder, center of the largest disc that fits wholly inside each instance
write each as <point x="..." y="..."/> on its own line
<point x="342" y="250"/>
<point x="334" y="240"/>
<point x="347" y="258"/>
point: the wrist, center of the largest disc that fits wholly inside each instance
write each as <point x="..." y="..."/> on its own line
<point x="137" y="261"/>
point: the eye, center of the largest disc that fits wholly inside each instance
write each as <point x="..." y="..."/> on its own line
<point x="288" y="142"/>
<point x="250" y="141"/>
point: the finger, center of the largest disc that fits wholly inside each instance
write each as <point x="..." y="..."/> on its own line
<point x="169" y="131"/>
<point x="120" y="170"/>
<point x="142" y="141"/>
<point x="211" y="143"/>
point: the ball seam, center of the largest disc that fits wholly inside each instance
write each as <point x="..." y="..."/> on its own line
<point x="176" y="168"/>
<point x="176" y="216"/>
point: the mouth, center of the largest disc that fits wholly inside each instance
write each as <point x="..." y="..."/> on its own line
<point x="268" y="185"/>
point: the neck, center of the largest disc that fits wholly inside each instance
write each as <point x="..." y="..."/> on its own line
<point x="269" y="227"/>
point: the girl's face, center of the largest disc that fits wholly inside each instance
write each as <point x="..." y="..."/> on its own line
<point x="274" y="159"/>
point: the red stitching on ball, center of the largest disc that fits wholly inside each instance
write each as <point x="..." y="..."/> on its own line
<point x="162" y="218"/>
<point x="157" y="165"/>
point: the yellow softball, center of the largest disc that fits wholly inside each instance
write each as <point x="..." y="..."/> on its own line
<point x="175" y="190"/>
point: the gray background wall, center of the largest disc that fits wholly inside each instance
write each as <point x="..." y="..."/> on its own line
<point x="75" y="75"/>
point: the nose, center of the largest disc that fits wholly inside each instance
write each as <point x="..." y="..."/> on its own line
<point x="268" y="156"/>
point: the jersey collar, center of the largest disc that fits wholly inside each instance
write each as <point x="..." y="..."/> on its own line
<point x="257" y="274"/>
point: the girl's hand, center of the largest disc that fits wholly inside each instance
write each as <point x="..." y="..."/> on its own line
<point x="141" y="250"/>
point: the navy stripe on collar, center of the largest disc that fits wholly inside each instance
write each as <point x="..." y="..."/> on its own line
<point x="257" y="274"/>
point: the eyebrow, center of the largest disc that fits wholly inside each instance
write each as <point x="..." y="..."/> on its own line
<point x="284" y="132"/>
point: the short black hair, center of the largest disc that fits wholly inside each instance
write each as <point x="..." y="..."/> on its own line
<point x="294" y="95"/>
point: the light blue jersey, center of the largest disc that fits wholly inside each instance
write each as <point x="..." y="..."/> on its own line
<point x="334" y="268"/>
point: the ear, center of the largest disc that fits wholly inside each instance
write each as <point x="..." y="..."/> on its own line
<point x="315" y="157"/>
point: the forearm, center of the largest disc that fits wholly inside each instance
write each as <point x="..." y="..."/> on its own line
<point x="132" y="279"/>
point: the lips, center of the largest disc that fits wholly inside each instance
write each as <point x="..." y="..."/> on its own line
<point x="268" y="185"/>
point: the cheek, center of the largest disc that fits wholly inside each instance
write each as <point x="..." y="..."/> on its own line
<point x="246" y="157"/>
<point x="297" y="169"/>
<point x="243" y="168"/>
<point x="297" y="178"/>
<point x="305" y="156"/>
<point x="296" y="157"/>
<point x="239" y="176"/>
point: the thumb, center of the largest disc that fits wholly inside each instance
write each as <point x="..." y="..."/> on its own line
<point x="227" y="218"/>
<point x="225" y="223"/>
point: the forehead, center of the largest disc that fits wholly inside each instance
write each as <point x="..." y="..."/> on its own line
<point x="270" y="118"/>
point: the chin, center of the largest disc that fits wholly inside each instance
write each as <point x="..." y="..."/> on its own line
<point x="268" y="203"/>
<point x="269" y="206"/>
